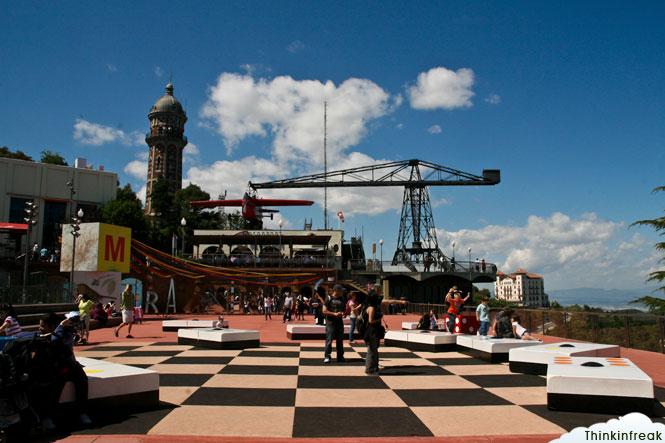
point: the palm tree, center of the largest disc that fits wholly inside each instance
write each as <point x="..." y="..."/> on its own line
<point x="655" y="305"/>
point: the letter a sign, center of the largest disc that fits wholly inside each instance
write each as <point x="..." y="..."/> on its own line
<point x="114" y="248"/>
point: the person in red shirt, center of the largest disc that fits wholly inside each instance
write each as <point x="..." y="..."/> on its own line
<point x="455" y="300"/>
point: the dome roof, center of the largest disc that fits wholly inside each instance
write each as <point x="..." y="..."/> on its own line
<point x="167" y="103"/>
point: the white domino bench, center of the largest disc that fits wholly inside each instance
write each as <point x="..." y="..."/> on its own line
<point x="174" y="325"/>
<point x="432" y="341"/>
<point x="598" y="385"/>
<point x="112" y="385"/>
<point x="219" y="338"/>
<point x="313" y="332"/>
<point x="410" y="325"/>
<point x="534" y="359"/>
<point x="494" y="350"/>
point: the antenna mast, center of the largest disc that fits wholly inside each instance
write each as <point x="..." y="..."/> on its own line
<point x="325" y="165"/>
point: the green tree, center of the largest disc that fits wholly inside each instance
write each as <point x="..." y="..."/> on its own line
<point x="655" y="304"/>
<point x="18" y="155"/>
<point x="52" y="158"/>
<point x="126" y="210"/>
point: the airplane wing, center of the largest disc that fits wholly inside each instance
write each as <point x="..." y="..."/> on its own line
<point x="278" y="202"/>
<point x="215" y="203"/>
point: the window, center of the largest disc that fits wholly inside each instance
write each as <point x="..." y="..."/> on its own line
<point x="17" y="209"/>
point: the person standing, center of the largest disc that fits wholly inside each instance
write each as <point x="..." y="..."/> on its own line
<point x="127" y="309"/>
<point x="483" y="316"/>
<point x="333" y="311"/>
<point x="267" y="307"/>
<point x="454" y="298"/>
<point x="375" y="331"/>
<point x="85" y="306"/>
<point x="288" y="306"/>
<point x="352" y="309"/>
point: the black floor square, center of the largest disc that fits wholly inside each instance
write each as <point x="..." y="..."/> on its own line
<point x="506" y="381"/>
<point x="450" y="397"/>
<point x="333" y="362"/>
<point x="391" y="355"/>
<point x="357" y="422"/>
<point x="116" y="422"/>
<point x="183" y="379"/>
<point x="149" y="354"/>
<point x="321" y="349"/>
<point x="274" y="344"/>
<point x="414" y="370"/>
<point x="197" y="361"/>
<point x="457" y="361"/>
<point x="242" y="397"/>
<point x="165" y="343"/>
<point x="267" y="354"/>
<point x="259" y="370"/>
<point x="111" y="348"/>
<point x="568" y="420"/>
<point x="340" y="382"/>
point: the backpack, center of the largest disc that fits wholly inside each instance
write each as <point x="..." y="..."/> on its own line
<point x="503" y="328"/>
<point x="362" y="321"/>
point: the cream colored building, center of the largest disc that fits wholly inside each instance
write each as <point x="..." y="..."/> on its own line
<point x="521" y="287"/>
<point x="22" y="181"/>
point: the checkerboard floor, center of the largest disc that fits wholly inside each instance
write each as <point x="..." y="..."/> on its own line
<point x="285" y="390"/>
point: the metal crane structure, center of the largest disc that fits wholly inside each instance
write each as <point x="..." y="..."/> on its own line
<point x="417" y="235"/>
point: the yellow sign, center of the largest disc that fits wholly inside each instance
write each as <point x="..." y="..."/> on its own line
<point x="115" y="243"/>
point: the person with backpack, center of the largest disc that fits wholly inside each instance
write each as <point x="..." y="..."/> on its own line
<point x="502" y="325"/>
<point x="375" y="330"/>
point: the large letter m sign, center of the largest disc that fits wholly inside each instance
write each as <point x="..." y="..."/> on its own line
<point x="113" y="250"/>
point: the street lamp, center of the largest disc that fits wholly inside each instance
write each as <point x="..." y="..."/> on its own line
<point x="453" y="245"/>
<point x="76" y="227"/>
<point x="183" y="223"/>
<point x="30" y="219"/>
<point x="470" y="282"/>
<point x="381" y="254"/>
<point x="279" y="259"/>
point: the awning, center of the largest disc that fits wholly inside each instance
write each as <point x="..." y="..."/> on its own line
<point x="13" y="227"/>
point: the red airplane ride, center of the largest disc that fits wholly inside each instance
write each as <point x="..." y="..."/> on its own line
<point x="252" y="207"/>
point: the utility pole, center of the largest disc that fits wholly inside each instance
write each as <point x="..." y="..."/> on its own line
<point x="31" y="219"/>
<point x="76" y="227"/>
<point x="325" y="165"/>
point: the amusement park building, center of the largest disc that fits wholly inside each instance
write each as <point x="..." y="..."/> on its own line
<point x="47" y="185"/>
<point x="521" y="287"/>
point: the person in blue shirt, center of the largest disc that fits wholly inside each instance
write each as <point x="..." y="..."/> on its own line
<point x="483" y="316"/>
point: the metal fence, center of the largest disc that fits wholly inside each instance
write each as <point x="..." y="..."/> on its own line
<point x="35" y="294"/>
<point x="637" y="331"/>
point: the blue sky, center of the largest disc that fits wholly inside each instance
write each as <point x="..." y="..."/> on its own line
<point x="565" y="98"/>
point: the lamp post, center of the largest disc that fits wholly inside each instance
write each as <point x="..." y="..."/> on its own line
<point x="279" y="259"/>
<point x="183" y="223"/>
<point x="76" y="227"/>
<point x="470" y="282"/>
<point x="30" y="219"/>
<point x="381" y="255"/>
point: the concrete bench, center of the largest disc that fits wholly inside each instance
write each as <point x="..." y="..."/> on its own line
<point x="219" y="338"/>
<point x="410" y="325"/>
<point x="493" y="350"/>
<point x="598" y="385"/>
<point x="112" y="385"/>
<point x="534" y="359"/>
<point x="313" y="332"/>
<point x="432" y="341"/>
<point x="174" y="325"/>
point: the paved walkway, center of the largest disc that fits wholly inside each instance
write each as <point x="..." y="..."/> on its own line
<point x="284" y="391"/>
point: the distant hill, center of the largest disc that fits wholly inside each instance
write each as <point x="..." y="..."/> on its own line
<point x="600" y="298"/>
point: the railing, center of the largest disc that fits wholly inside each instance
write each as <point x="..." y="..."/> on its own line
<point x="35" y="294"/>
<point x="246" y="261"/>
<point x="637" y="331"/>
<point x="459" y="267"/>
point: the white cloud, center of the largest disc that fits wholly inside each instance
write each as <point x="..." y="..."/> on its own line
<point x="493" y="99"/>
<point x="94" y="134"/>
<point x="291" y="111"/>
<point x="158" y="71"/>
<point x="570" y="252"/>
<point x="441" y="88"/>
<point x="137" y="169"/>
<point x="399" y="126"/>
<point x="295" y="46"/>
<point x="141" y="194"/>
<point x="191" y="150"/>
<point x="111" y="67"/>
<point x="435" y="129"/>
<point x="634" y="422"/>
